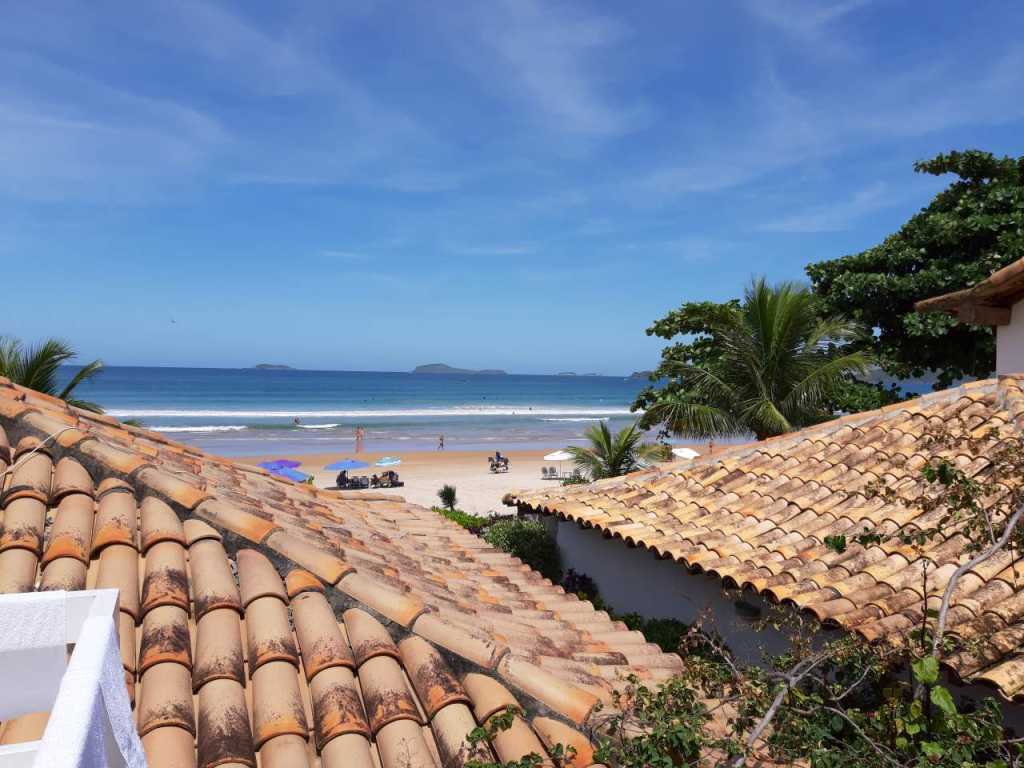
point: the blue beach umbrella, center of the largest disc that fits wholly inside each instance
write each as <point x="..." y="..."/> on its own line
<point x="279" y="464"/>
<point x="291" y="474"/>
<point x="347" y="464"/>
<point x="388" y="461"/>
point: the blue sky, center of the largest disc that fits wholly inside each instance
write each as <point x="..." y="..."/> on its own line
<point x="515" y="184"/>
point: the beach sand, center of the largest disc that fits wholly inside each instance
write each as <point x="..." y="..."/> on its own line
<point x="479" y="491"/>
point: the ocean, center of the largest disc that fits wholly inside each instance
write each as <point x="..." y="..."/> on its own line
<point x="246" y="412"/>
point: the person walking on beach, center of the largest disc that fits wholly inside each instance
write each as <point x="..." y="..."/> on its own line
<point x="360" y="434"/>
<point x="440" y="443"/>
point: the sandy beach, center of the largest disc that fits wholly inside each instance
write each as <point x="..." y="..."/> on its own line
<point x="479" y="490"/>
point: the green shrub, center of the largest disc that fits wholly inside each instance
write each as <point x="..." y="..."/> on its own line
<point x="666" y="633"/>
<point x="447" y="496"/>
<point x="472" y="523"/>
<point x="530" y="542"/>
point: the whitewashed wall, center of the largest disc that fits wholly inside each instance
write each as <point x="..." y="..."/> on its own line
<point x="1010" y="343"/>
<point x="632" y="579"/>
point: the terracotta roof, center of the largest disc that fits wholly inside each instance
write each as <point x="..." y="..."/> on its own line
<point x="757" y="516"/>
<point x="261" y="617"/>
<point x="984" y="303"/>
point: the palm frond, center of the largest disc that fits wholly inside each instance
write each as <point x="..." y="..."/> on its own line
<point x="86" y="372"/>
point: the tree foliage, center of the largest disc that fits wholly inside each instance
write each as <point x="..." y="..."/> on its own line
<point x="768" y="365"/>
<point x="972" y="228"/>
<point x="37" y="368"/>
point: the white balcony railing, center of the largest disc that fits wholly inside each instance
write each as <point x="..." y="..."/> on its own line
<point x="90" y="721"/>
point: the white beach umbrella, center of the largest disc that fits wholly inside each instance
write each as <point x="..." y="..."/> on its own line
<point x="558" y="456"/>
<point x="685" y="453"/>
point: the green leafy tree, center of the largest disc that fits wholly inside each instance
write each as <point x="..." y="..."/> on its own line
<point x="37" y="368"/>
<point x="767" y="366"/>
<point x="969" y="230"/>
<point x="612" y="455"/>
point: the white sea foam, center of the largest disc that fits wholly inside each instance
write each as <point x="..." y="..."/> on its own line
<point x="467" y="410"/>
<point x="205" y="428"/>
<point x="577" y="418"/>
<point x="316" y="426"/>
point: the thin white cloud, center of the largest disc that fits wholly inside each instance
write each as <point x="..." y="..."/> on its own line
<point x="836" y="216"/>
<point x="65" y="135"/>
<point x="551" y="59"/>
<point x="344" y="255"/>
<point x="494" y="249"/>
<point x="782" y="127"/>
<point x="806" y="19"/>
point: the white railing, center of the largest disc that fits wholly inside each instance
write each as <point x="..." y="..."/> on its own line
<point x="90" y="721"/>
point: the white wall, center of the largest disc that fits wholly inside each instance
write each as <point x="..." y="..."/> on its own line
<point x="1010" y="343"/>
<point x="633" y="579"/>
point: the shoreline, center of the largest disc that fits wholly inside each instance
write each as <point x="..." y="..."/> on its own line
<point x="424" y="472"/>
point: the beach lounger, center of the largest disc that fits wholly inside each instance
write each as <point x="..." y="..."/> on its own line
<point x="544" y="473"/>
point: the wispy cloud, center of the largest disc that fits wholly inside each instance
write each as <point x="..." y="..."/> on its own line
<point x="836" y="216"/>
<point x="804" y="19"/>
<point x="494" y="249"/>
<point x="64" y="135"/>
<point x="344" y="255"/>
<point x="782" y="126"/>
<point x="552" y="58"/>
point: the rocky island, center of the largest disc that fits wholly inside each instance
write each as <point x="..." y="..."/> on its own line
<point x="442" y="368"/>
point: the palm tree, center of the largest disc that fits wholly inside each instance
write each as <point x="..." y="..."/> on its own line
<point x="613" y="455"/>
<point x="37" y="367"/>
<point x="778" y="367"/>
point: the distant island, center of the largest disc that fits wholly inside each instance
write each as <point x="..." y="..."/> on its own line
<point x="273" y="367"/>
<point x="565" y="373"/>
<point x="641" y="375"/>
<point x="442" y="368"/>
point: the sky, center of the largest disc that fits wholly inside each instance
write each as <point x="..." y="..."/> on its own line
<point x="517" y="184"/>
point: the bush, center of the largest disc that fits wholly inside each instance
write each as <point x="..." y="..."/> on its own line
<point x="580" y="585"/>
<point x="472" y="523"/>
<point x="530" y="542"/>
<point x="666" y="633"/>
<point x="575" y="479"/>
<point x="447" y="496"/>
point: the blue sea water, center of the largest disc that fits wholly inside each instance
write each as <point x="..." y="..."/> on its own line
<point x="249" y="412"/>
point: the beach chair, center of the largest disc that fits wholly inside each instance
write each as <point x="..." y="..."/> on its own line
<point x="544" y="473"/>
<point x="553" y="473"/>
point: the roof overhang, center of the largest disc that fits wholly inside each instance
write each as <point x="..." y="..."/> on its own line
<point x="987" y="303"/>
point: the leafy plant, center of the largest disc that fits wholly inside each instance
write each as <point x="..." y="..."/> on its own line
<point x="969" y="230"/>
<point x="472" y="523"/>
<point x="37" y="368"/>
<point x="530" y="542"/>
<point x="612" y="455"/>
<point x="767" y="366"/>
<point x="448" y="497"/>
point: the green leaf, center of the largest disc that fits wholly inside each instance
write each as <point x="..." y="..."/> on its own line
<point x="926" y="670"/>
<point x="943" y="700"/>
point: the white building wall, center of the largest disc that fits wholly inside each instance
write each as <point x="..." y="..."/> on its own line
<point x="1010" y="343"/>
<point x="633" y="579"/>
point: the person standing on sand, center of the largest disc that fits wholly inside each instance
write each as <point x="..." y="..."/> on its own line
<point x="360" y="433"/>
<point x="440" y="443"/>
